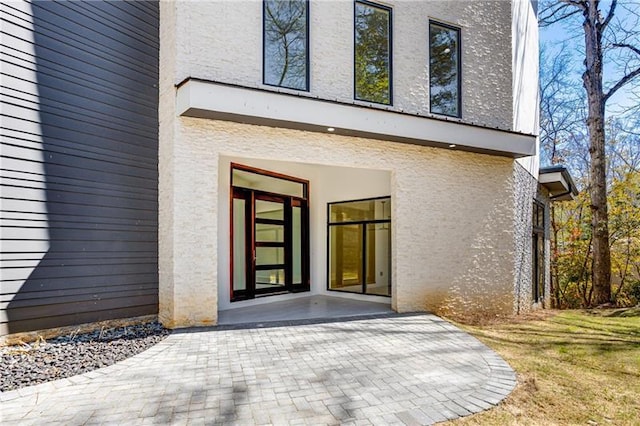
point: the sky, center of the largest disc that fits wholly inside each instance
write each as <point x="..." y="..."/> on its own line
<point x="571" y="36"/>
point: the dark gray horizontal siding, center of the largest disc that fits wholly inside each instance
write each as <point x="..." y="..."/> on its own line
<point x="81" y="282"/>
<point x="97" y="312"/>
<point x="79" y="294"/>
<point x="79" y="157"/>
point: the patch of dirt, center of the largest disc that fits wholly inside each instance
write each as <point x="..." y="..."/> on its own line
<point x="478" y="319"/>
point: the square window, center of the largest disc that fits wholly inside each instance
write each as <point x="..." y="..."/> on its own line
<point x="444" y="69"/>
<point x="286" y="43"/>
<point x="372" y="53"/>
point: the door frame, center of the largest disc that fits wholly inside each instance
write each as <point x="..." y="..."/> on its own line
<point x="250" y="196"/>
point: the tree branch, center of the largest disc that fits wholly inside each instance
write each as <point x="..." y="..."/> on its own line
<point x="612" y="9"/>
<point x="553" y="11"/>
<point x="581" y="4"/>
<point x="628" y="46"/>
<point x="624" y="80"/>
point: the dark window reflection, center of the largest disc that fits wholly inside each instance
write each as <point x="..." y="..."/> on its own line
<point x="444" y="69"/>
<point x="372" y="53"/>
<point x="285" y="43"/>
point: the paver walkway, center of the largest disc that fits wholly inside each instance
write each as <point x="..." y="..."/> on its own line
<point x="400" y="369"/>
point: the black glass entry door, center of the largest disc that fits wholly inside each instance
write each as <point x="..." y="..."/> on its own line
<point x="269" y="242"/>
<point x="272" y="228"/>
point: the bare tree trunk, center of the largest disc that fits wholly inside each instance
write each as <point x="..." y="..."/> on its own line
<point x="592" y="80"/>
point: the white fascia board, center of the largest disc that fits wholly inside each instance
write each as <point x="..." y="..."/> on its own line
<point x="204" y="99"/>
<point x="559" y="188"/>
<point x="554" y="178"/>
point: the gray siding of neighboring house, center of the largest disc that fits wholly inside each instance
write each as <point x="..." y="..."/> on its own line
<point x="79" y="161"/>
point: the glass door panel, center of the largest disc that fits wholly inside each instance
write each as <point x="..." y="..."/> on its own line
<point x="269" y="210"/>
<point x="269" y="256"/>
<point x="378" y="259"/>
<point x="268" y="232"/>
<point x="268" y="280"/>
<point x="296" y="244"/>
<point x="239" y="245"/>
<point x="345" y="264"/>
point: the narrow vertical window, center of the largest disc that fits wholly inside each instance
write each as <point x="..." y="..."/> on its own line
<point x="372" y="53"/>
<point x="444" y="69"/>
<point x="538" y="253"/>
<point x="286" y="43"/>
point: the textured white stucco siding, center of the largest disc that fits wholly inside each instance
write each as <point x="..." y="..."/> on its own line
<point x="166" y="134"/>
<point x="452" y="216"/>
<point x="222" y="41"/>
<point x="525" y="190"/>
<point x="458" y="228"/>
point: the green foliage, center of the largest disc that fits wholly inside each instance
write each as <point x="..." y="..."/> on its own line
<point x="443" y="69"/>
<point x="634" y="291"/>
<point x="372" y="52"/>
<point x="571" y="257"/>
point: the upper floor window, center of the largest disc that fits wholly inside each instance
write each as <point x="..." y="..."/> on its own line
<point x="444" y="69"/>
<point x="372" y="53"/>
<point x="286" y="43"/>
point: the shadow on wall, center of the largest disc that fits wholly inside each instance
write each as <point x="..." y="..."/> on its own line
<point x="79" y="163"/>
<point x="484" y="286"/>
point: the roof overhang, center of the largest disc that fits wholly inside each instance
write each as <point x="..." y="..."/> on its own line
<point x="557" y="180"/>
<point x="207" y="99"/>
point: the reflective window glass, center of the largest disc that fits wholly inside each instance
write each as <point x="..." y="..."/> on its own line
<point x="356" y="211"/>
<point x="372" y="53"/>
<point x="249" y="180"/>
<point x="444" y="69"/>
<point x="285" y="43"/>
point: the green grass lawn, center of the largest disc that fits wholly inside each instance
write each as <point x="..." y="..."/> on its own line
<point x="574" y="367"/>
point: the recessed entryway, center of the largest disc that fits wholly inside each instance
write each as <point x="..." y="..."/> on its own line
<point x="273" y="236"/>
<point x="269" y="233"/>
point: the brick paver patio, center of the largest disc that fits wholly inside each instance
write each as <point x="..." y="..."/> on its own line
<point x="398" y="369"/>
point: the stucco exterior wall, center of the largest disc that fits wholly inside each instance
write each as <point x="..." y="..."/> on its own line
<point x="222" y="41"/>
<point x="461" y="222"/>
<point x="452" y="215"/>
<point x="525" y="191"/>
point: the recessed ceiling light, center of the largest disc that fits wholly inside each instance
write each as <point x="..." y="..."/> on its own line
<point x="331" y="129"/>
<point x="453" y="145"/>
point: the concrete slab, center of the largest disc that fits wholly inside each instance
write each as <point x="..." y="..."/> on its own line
<point x="303" y="308"/>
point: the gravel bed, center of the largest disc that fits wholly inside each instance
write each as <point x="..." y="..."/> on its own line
<point x="65" y="356"/>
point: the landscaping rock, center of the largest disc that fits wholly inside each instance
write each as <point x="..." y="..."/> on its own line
<point x="66" y="356"/>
